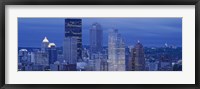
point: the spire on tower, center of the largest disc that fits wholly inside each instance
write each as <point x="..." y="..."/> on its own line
<point x="45" y="40"/>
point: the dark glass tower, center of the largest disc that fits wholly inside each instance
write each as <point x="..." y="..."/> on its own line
<point x="73" y="29"/>
<point x="52" y="53"/>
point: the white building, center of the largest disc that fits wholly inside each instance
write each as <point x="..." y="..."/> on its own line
<point x="116" y="51"/>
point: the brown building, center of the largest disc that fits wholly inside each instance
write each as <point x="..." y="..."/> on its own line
<point x="137" y="60"/>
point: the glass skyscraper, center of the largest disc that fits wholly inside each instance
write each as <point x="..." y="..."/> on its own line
<point x="52" y="53"/>
<point x="73" y="29"/>
<point x="96" y="38"/>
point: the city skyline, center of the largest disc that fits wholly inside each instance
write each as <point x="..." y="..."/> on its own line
<point x="122" y="53"/>
<point x="150" y="31"/>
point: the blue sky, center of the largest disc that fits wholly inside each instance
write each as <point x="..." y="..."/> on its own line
<point x="150" y="31"/>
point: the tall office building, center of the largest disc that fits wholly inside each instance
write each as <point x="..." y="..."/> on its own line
<point x="44" y="45"/>
<point x="96" y="38"/>
<point x="52" y="53"/>
<point x="116" y="51"/>
<point x="138" y="60"/>
<point x="70" y="50"/>
<point x="73" y="31"/>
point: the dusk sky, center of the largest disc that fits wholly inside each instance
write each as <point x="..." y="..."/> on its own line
<point x="149" y="31"/>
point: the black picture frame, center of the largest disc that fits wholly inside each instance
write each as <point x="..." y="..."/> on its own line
<point x="99" y="2"/>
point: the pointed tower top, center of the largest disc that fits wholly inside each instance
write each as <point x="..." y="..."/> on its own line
<point x="45" y="40"/>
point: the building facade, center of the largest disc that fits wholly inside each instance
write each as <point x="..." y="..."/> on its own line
<point x="23" y="56"/>
<point x="73" y="30"/>
<point x="41" y="58"/>
<point x="70" y="50"/>
<point x="138" y="60"/>
<point x="116" y="51"/>
<point x="44" y="45"/>
<point x="96" y="38"/>
<point x="52" y="53"/>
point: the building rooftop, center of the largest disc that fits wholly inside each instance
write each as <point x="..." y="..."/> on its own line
<point x="45" y="40"/>
<point x="52" y="45"/>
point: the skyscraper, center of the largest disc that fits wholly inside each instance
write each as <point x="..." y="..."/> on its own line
<point x="96" y="38"/>
<point x="73" y="31"/>
<point x="138" y="60"/>
<point x="52" y="53"/>
<point x="70" y="50"/>
<point x="116" y="51"/>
